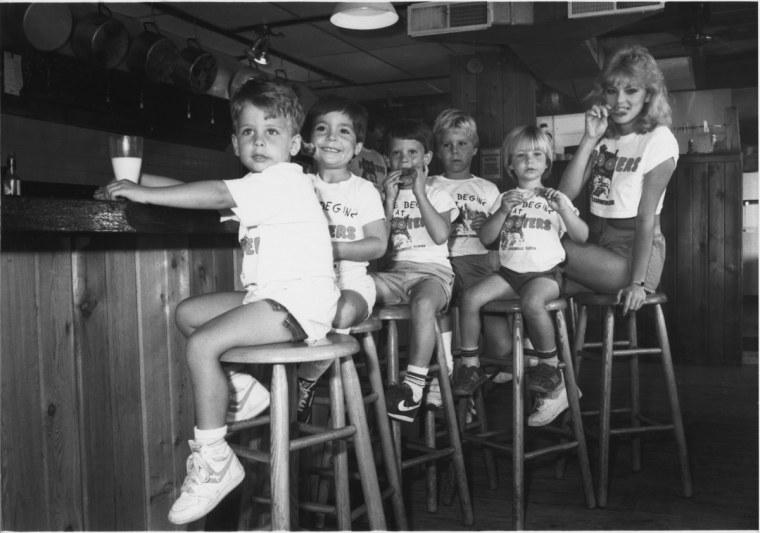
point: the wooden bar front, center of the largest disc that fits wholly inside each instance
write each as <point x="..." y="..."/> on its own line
<point x="96" y="399"/>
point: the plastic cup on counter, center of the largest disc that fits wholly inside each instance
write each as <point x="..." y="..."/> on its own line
<point x="126" y="153"/>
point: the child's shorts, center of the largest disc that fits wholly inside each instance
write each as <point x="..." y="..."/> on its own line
<point x="517" y="280"/>
<point x="291" y="324"/>
<point x="470" y="269"/>
<point x="395" y="284"/>
<point x="620" y="241"/>
<point x="365" y="286"/>
<point x="312" y="303"/>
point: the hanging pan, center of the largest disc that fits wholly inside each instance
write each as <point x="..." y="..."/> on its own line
<point x="152" y="56"/>
<point x="195" y="70"/>
<point x="100" y="39"/>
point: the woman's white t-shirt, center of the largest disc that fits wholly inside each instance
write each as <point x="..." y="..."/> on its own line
<point x="619" y="166"/>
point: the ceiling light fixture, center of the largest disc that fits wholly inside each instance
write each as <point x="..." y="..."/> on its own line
<point x="260" y="49"/>
<point x="364" y="15"/>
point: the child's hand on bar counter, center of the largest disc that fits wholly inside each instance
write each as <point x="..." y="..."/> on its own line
<point x="124" y="190"/>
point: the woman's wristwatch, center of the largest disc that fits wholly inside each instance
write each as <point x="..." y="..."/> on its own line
<point x="641" y="284"/>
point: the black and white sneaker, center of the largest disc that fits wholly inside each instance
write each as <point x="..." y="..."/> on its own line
<point x="306" y="391"/>
<point x="400" y="403"/>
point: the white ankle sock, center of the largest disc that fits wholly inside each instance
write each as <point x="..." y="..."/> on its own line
<point x="208" y="436"/>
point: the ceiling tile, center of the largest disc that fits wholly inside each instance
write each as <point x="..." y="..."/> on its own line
<point x="363" y="68"/>
<point x="418" y="59"/>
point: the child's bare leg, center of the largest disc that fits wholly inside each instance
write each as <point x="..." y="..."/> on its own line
<point x="251" y="324"/>
<point x="352" y="309"/>
<point x="469" y="376"/>
<point x="197" y="310"/>
<point x="497" y="336"/>
<point x="535" y="295"/>
<point x="493" y="287"/>
<point x="426" y="300"/>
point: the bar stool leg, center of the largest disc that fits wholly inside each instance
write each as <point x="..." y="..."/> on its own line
<point x="340" y="449"/>
<point x="675" y="407"/>
<point x="488" y="455"/>
<point x="518" y="430"/>
<point x="575" y="409"/>
<point x="633" y="366"/>
<point x="604" y="411"/>
<point x="431" y="469"/>
<point x="393" y="371"/>
<point x="580" y="337"/>
<point x="449" y="409"/>
<point x="390" y="459"/>
<point x="362" y="446"/>
<point x="280" y="450"/>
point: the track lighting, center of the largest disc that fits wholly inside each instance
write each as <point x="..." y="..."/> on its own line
<point x="259" y="52"/>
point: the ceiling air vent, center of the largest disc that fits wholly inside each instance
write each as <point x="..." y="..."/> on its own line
<point x="593" y="9"/>
<point x="432" y="18"/>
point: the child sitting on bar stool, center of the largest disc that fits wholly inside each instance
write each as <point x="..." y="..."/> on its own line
<point x="419" y="272"/>
<point x="335" y="129"/>
<point x="529" y="222"/>
<point x="287" y="272"/>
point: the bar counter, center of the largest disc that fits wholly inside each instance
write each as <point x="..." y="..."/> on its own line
<point x="71" y="209"/>
<point x="96" y="398"/>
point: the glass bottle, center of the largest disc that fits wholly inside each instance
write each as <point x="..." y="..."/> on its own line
<point x="11" y="183"/>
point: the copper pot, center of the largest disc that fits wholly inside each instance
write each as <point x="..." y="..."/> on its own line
<point x="195" y="70"/>
<point x="100" y="39"/>
<point x="244" y="74"/>
<point x="43" y="26"/>
<point x="152" y="56"/>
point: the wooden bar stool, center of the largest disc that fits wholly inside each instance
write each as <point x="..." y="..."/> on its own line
<point x="569" y="440"/>
<point x="606" y="351"/>
<point x="426" y="452"/>
<point x="376" y="396"/>
<point x="344" y="389"/>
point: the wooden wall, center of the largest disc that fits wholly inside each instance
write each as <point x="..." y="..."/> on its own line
<point x="702" y="224"/>
<point x="96" y="402"/>
<point x="498" y="91"/>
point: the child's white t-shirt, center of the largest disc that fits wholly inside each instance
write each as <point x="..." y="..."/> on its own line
<point x="472" y="195"/>
<point x="370" y="165"/>
<point x="410" y="240"/>
<point x="529" y="240"/>
<point x="617" y="173"/>
<point x="287" y="253"/>
<point x="349" y="206"/>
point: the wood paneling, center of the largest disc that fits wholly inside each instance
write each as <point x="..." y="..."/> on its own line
<point x="701" y="222"/>
<point x="97" y="403"/>
<point x="500" y="97"/>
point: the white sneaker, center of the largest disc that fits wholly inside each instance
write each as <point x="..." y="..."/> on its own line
<point x="248" y="397"/>
<point x="433" y="398"/>
<point x="549" y="406"/>
<point x="212" y="472"/>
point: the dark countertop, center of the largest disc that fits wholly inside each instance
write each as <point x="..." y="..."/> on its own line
<point x="71" y="209"/>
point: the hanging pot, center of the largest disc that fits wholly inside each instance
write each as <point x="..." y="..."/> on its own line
<point x="195" y="69"/>
<point x="42" y="26"/>
<point x="100" y="39"/>
<point x="221" y="86"/>
<point x="244" y="74"/>
<point x="152" y="55"/>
